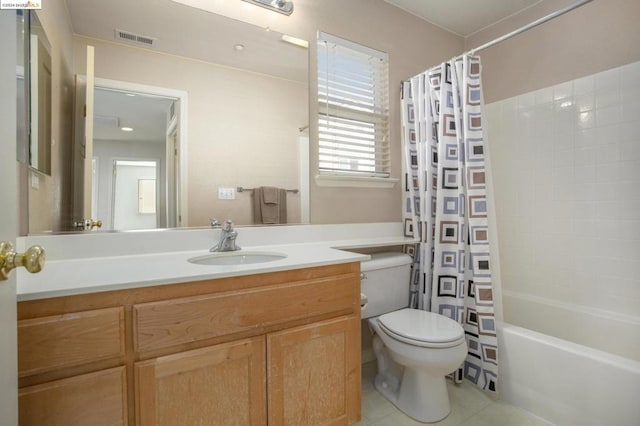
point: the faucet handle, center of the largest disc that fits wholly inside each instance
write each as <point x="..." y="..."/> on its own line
<point x="213" y="222"/>
<point x="228" y="225"/>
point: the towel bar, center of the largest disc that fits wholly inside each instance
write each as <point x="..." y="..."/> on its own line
<point x="241" y="189"/>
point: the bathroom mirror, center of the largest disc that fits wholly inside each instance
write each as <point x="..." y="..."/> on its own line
<point x="246" y="106"/>
<point x="40" y="101"/>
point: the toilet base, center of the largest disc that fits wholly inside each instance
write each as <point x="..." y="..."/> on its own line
<point x="418" y="394"/>
<point x="413" y="378"/>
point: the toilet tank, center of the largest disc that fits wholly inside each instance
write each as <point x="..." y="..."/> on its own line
<point x="385" y="283"/>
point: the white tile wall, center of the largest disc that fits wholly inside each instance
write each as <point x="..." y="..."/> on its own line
<point x="566" y="167"/>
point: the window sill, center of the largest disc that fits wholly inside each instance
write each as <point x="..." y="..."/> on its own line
<point x="355" y="181"/>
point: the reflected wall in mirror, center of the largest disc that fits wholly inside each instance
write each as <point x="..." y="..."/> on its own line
<point x="40" y="96"/>
<point x="246" y="101"/>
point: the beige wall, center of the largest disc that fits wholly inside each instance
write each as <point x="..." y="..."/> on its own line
<point x="598" y="36"/>
<point x="50" y="205"/>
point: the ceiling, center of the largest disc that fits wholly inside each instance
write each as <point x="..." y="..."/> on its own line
<point x="193" y="33"/>
<point x="463" y="17"/>
<point x="146" y="114"/>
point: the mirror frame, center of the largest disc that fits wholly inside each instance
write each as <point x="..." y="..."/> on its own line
<point x="40" y="115"/>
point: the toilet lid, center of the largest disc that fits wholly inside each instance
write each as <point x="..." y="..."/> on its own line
<point x="422" y="328"/>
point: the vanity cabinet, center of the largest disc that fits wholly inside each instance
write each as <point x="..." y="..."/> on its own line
<point x="279" y="348"/>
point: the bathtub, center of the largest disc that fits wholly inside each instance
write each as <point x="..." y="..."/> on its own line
<point x="566" y="383"/>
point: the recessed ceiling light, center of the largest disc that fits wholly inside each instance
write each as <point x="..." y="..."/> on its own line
<point x="129" y="94"/>
<point x="238" y="47"/>
<point x="126" y="129"/>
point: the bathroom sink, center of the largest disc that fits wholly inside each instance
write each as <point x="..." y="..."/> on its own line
<point x="237" y="258"/>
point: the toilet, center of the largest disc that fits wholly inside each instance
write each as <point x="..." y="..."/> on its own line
<point x="414" y="349"/>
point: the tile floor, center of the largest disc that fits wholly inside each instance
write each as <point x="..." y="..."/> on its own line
<point x="469" y="407"/>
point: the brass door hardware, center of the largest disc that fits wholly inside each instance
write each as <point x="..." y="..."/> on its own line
<point x="32" y="259"/>
<point x="88" y="224"/>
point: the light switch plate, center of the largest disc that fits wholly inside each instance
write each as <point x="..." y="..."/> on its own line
<point x="226" y="193"/>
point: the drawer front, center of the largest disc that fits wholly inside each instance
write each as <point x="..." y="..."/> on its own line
<point x="179" y="321"/>
<point x="61" y="341"/>
<point x="90" y="399"/>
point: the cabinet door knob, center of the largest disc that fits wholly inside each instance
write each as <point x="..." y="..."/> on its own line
<point x="32" y="259"/>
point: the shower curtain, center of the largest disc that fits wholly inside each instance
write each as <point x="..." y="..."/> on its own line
<point x="445" y="204"/>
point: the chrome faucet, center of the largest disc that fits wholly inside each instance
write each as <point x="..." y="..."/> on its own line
<point x="227" y="238"/>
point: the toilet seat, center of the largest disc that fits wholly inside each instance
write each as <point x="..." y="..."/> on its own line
<point x="422" y="328"/>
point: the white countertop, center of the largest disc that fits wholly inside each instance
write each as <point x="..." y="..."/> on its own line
<point x="110" y="270"/>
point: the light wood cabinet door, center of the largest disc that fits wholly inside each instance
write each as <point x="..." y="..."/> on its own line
<point x="314" y="374"/>
<point x="96" y="399"/>
<point x="218" y="385"/>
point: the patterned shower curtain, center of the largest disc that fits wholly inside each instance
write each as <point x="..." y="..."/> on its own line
<point x="446" y="206"/>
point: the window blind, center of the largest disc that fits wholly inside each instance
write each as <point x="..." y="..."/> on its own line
<point x="353" y="113"/>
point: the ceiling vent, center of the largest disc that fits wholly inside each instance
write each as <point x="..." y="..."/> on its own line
<point x="135" y="38"/>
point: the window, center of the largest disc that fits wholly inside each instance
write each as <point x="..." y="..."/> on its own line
<point x="353" y="111"/>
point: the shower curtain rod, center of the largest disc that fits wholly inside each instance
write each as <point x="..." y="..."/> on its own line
<point x="525" y="28"/>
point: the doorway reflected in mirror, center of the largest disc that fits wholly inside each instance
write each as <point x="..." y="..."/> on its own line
<point x="135" y="137"/>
